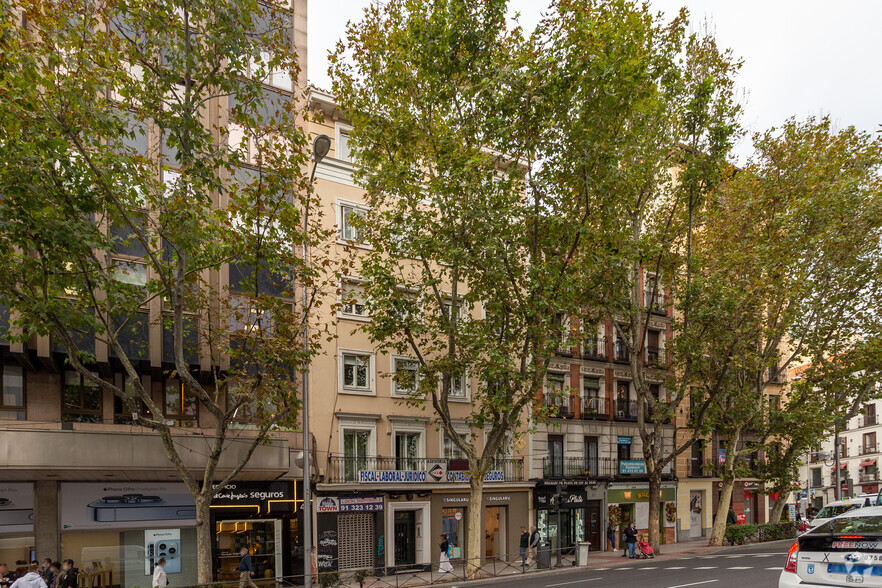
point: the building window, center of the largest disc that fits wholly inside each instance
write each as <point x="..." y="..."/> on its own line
<point x="407" y="451"/>
<point x="180" y="406"/>
<point x="626" y="404"/>
<point x="343" y="152"/>
<point x="654" y="353"/>
<point x="555" y="394"/>
<point x="404" y="375"/>
<point x="12" y="402"/>
<point x="458" y="387"/>
<point x="124" y="409"/>
<point x="696" y="468"/>
<point x="654" y="293"/>
<point x="450" y="449"/>
<point x="352" y="301"/>
<point x="816" y="478"/>
<point x="356" y="444"/>
<point x="357" y="371"/>
<point x="869" y="443"/>
<point x="81" y="399"/>
<point x="348" y="230"/>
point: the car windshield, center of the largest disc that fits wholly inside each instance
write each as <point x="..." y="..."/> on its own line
<point x="828" y="512"/>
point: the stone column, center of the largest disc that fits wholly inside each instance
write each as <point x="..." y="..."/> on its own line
<point x="46" y="524"/>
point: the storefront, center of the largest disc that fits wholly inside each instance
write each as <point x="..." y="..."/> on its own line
<point x="579" y="518"/>
<point x="631" y="503"/>
<point x="17" y="525"/>
<point x="503" y="514"/>
<point x="259" y="516"/>
<point x="350" y="532"/>
<point x="748" y="501"/>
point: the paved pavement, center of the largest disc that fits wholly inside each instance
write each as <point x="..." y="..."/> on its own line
<point x="754" y="565"/>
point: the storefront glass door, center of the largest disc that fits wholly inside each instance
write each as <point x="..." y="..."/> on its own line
<point x="454" y="528"/>
<point x="263" y="540"/>
<point x="494" y="531"/>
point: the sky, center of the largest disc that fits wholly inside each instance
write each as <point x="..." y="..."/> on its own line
<point x="801" y="57"/>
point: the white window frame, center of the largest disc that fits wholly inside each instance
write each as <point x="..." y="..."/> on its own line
<point x="393" y="360"/>
<point x="467" y="389"/>
<point x="340" y="205"/>
<point x="368" y="424"/>
<point x="341" y="129"/>
<point x="566" y="386"/>
<point x="372" y="369"/>
<point x="461" y="429"/>
<point x="407" y="425"/>
<point x="352" y="282"/>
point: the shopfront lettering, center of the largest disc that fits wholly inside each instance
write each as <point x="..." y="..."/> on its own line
<point x="392" y="476"/>
<point x="494" y="476"/>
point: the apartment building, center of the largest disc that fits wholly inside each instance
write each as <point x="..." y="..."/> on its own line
<point x="81" y="480"/>
<point x="859" y="449"/>
<point x="591" y="445"/>
<point x="389" y="481"/>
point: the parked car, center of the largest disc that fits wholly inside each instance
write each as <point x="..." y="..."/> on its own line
<point x="844" y="551"/>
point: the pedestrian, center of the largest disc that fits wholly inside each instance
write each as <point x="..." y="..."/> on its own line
<point x="445" y="566"/>
<point x="69" y="576"/>
<point x="611" y="535"/>
<point x="245" y="569"/>
<point x="55" y="568"/>
<point x="46" y="571"/>
<point x="534" y="543"/>
<point x="525" y="545"/>
<point x="731" y="519"/>
<point x="6" y="577"/>
<point x="160" y="579"/>
<point x="631" y="539"/>
<point x="32" y="579"/>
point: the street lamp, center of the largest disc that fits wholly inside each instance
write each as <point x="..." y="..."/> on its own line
<point x="320" y="147"/>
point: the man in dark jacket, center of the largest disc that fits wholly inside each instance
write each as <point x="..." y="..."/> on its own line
<point x="631" y="539"/>
<point x="246" y="571"/>
<point x="69" y="576"/>
<point x="6" y="577"/>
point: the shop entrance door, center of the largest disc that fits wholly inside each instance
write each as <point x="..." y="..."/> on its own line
<point x="452" y="525"/>
<point x="262" y="538"/>
<point x="405" y="537"/>
<point x="592" y="527"/>
<point x="494" y="531"/>
<point x="695" y="501"/>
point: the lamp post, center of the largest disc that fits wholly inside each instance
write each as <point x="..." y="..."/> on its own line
<point x="320" y="147"/>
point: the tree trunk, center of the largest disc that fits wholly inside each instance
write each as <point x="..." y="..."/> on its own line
<point x="475" y="531"/>
<point x="778" y="509"/>
<point x="204" y="537"/>
<point x="719" y="530"/>
<point x="654" y="508"/>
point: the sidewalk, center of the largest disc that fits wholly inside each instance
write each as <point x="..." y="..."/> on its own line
<point x="495" y="569"/>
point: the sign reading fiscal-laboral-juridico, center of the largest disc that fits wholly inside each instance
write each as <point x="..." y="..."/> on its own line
<point x="410" y="477"/>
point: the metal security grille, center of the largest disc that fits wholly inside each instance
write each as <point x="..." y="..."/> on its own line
<point x="355" y="532"/>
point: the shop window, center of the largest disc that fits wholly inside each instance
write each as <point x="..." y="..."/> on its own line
<point x="180" y="405"/>
<point x="81" y="399"/>
<point x="454" y="527"/>
<point x="12" y="401"/>
<point x="259" y="537"/>
<point x="124" y="409"/>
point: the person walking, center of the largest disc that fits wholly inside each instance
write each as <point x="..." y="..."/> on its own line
<point x="445" y="566"/>
<point x="55" y="568"/>
<point x="46" y="571"/>
<point x="611" y="535"/>
<point x="160" y="579"/>
<point x="69" y="576"/>
<point x="32" y="579"/>
<point x="245" y="569"/>
<point x="631" y="539"/>
<point x="731" y="519"/>
<point x="534" y="543"/>
<point x="524" y="546"/>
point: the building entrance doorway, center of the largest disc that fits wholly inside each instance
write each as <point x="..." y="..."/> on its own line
<point x="695" y="506"/>
<point x="405" y="537"/>
<point x="494" y="531"/>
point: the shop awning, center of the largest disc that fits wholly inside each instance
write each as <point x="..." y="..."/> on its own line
<point x="842" y="466"/>
<point x="868" y="462"/>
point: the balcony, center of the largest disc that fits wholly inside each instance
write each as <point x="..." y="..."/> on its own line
<point x="868" y="476"/>
<point x="626" y="410"/>
<point x="345" y="470"/>
<point x="868" y="449"/>
<point x="594" y="408"/>
<point x="654" y="356"/>
<point x="594" y="349"/>
<point x="621" y="354"/>
<point x="592" y="467"/>
<point x="558" y="406"/>
<point x="869" y="420"/>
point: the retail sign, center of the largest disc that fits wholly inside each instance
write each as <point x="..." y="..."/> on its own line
<point x="328" y="504"/>
<point x="632" y="466"/>
<point x="577" y="498"/>
<point x="791" y="511"/>
<point x="624" y="440"/>
<point x="455" y="499"/>
<point x="361" y="503"/>
<point x="626" y="495"/>
<point x="263" y="496"/>
<point x="163" y="544"/>
<point x="493" y="476"/>
<point x="437" y="471"/>
<point x="96" y="506"/>
<point x="391" y="477"/>
<point x="17" y="508"/>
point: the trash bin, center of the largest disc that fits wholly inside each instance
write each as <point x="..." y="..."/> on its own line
<point x="543" y="556"/>
<point x="582" y="548"/>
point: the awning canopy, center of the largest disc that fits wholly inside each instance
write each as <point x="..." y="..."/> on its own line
<point x="842" y="466"/>
<point x="868" y="462"/>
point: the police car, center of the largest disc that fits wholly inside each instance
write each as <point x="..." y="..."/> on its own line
<point x="845" y="551"/>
